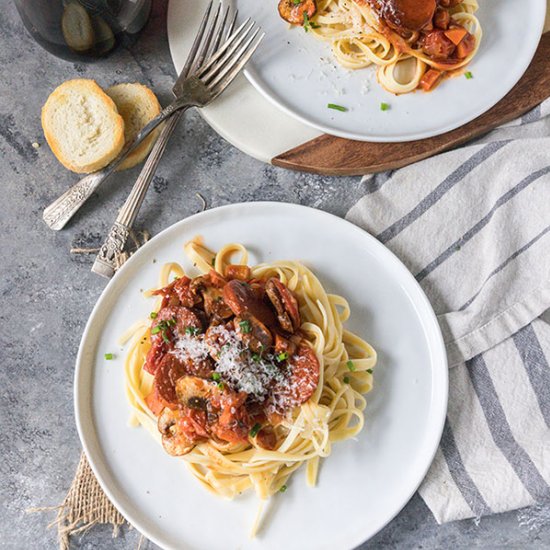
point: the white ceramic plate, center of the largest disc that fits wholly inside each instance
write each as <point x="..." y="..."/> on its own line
<point x="364" y="483"/>
<point x="296" y="72"/>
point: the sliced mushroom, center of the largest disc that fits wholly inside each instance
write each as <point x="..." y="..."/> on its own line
<point x="214" y="306"/>
<point x="244" y="301"/>
<point x="285" y="304"/>
<point x="193" y="392"/>
<point x="253" y="333"/>
<point x="174" y="441"/>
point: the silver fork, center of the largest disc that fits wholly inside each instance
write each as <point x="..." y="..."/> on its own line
<point x="105" y="262"/>
<point x="198" y="86"/>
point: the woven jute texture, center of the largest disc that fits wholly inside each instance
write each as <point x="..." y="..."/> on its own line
<point x="84" y="506"/>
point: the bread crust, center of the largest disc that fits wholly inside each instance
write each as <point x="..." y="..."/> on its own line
<point x="148" y="101"/>
<point x="85" y="87"/>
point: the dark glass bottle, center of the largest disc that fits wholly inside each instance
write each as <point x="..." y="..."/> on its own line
<point x="83" y="30"/>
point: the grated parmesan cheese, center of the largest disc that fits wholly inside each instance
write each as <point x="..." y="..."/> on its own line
<point x="242" y="370"/>
<point x="243" y="373"/>
<point x="191" y="348"/>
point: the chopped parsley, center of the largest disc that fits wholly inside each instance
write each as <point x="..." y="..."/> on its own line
<point x="213" y="261"/>
<point x="109" y="356"/>
<point x="346" y="379"/>
<point x="216" y="376"/>
<point x="283" y="488"/>
<point x="384" y="106"/>
<point x="255" y="429"/>
<point x="369" y="371"/>
<point x="337" y="107"/>
<point x="350" y="366"/>
<point x="282" y="356"/>
<point x="221" y="385"/>
<point x="163" y="327"/>
<point x="153" y="314"/>
<point x="468" y="75"/>
<point x="245" y="327"/>
<point x="307" y="23"/>
<point x="256" y="357"/>
<point x="296" y="2"/>
<point x="192" y="331"/>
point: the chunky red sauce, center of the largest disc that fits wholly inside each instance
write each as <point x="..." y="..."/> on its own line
<point x="228" y="360"/>
<point x="426" y="25"/>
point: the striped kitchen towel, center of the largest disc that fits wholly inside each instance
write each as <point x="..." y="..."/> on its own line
<point x="473" y="226"/>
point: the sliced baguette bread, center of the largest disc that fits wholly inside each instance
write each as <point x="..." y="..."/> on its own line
<point x="82" y="126"/>
<point x="137" y="105"/>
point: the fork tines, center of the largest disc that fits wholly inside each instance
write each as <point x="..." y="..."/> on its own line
<point x="222" y="63"/>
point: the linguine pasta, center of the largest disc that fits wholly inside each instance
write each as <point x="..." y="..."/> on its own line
<point x="334" y="412"/>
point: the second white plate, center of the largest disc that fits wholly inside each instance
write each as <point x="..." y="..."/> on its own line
<point x="296" y="72"/>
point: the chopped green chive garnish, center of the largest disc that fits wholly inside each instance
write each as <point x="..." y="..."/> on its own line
<point x="350" y="366"/>
<point x="283" y="489"/>
<point x="192" y="331"/>
<point x="245" y="327"/>
<point x="468" y="75"/>
<point x="256" y="357"/>
<point x="346" y="379"/>
<point x="296" y="2"/>
<point x="384" y="106"/>
<point x="369" y="371"/>
<point x="255" y="429"/>
<point x="213" y="261"/>
<point x="221" y="385"/>
<point x="282" y="356"/>
<point x="109" y="356"/>
<point x="306" y="22"/>
<point x="337" y="107"/>
<point x="163" y="327"/>
<point x="153" y="314"/>
<point x="216" y="376"/>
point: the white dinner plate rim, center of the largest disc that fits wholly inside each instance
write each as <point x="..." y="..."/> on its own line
<point x="483" y="107"/>
<point x="437" y="348"/>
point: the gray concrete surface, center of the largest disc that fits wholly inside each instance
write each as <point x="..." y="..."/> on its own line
<point x="47" y="293"/>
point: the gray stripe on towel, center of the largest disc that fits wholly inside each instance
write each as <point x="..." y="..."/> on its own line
<point x="532" y="116"/>
<point x="521" y="250"/>
<point x="536" y="365"/>
<point x="376" y="181"/>
<point x="502" y="434"/>
<point x="511" y="193"/>
<point x="460" y="475"/>
<point x="448" y="183"/>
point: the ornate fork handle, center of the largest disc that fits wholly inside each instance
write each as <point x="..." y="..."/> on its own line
<point x="62" y="210"/>
<point x="57" y="214"/>
<point x="105" y="262"/>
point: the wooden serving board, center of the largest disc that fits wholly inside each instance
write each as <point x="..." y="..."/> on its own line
<point x="342" y="157"/>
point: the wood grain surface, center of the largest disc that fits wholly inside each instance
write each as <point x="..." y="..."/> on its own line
<point x="342" y="157"/>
